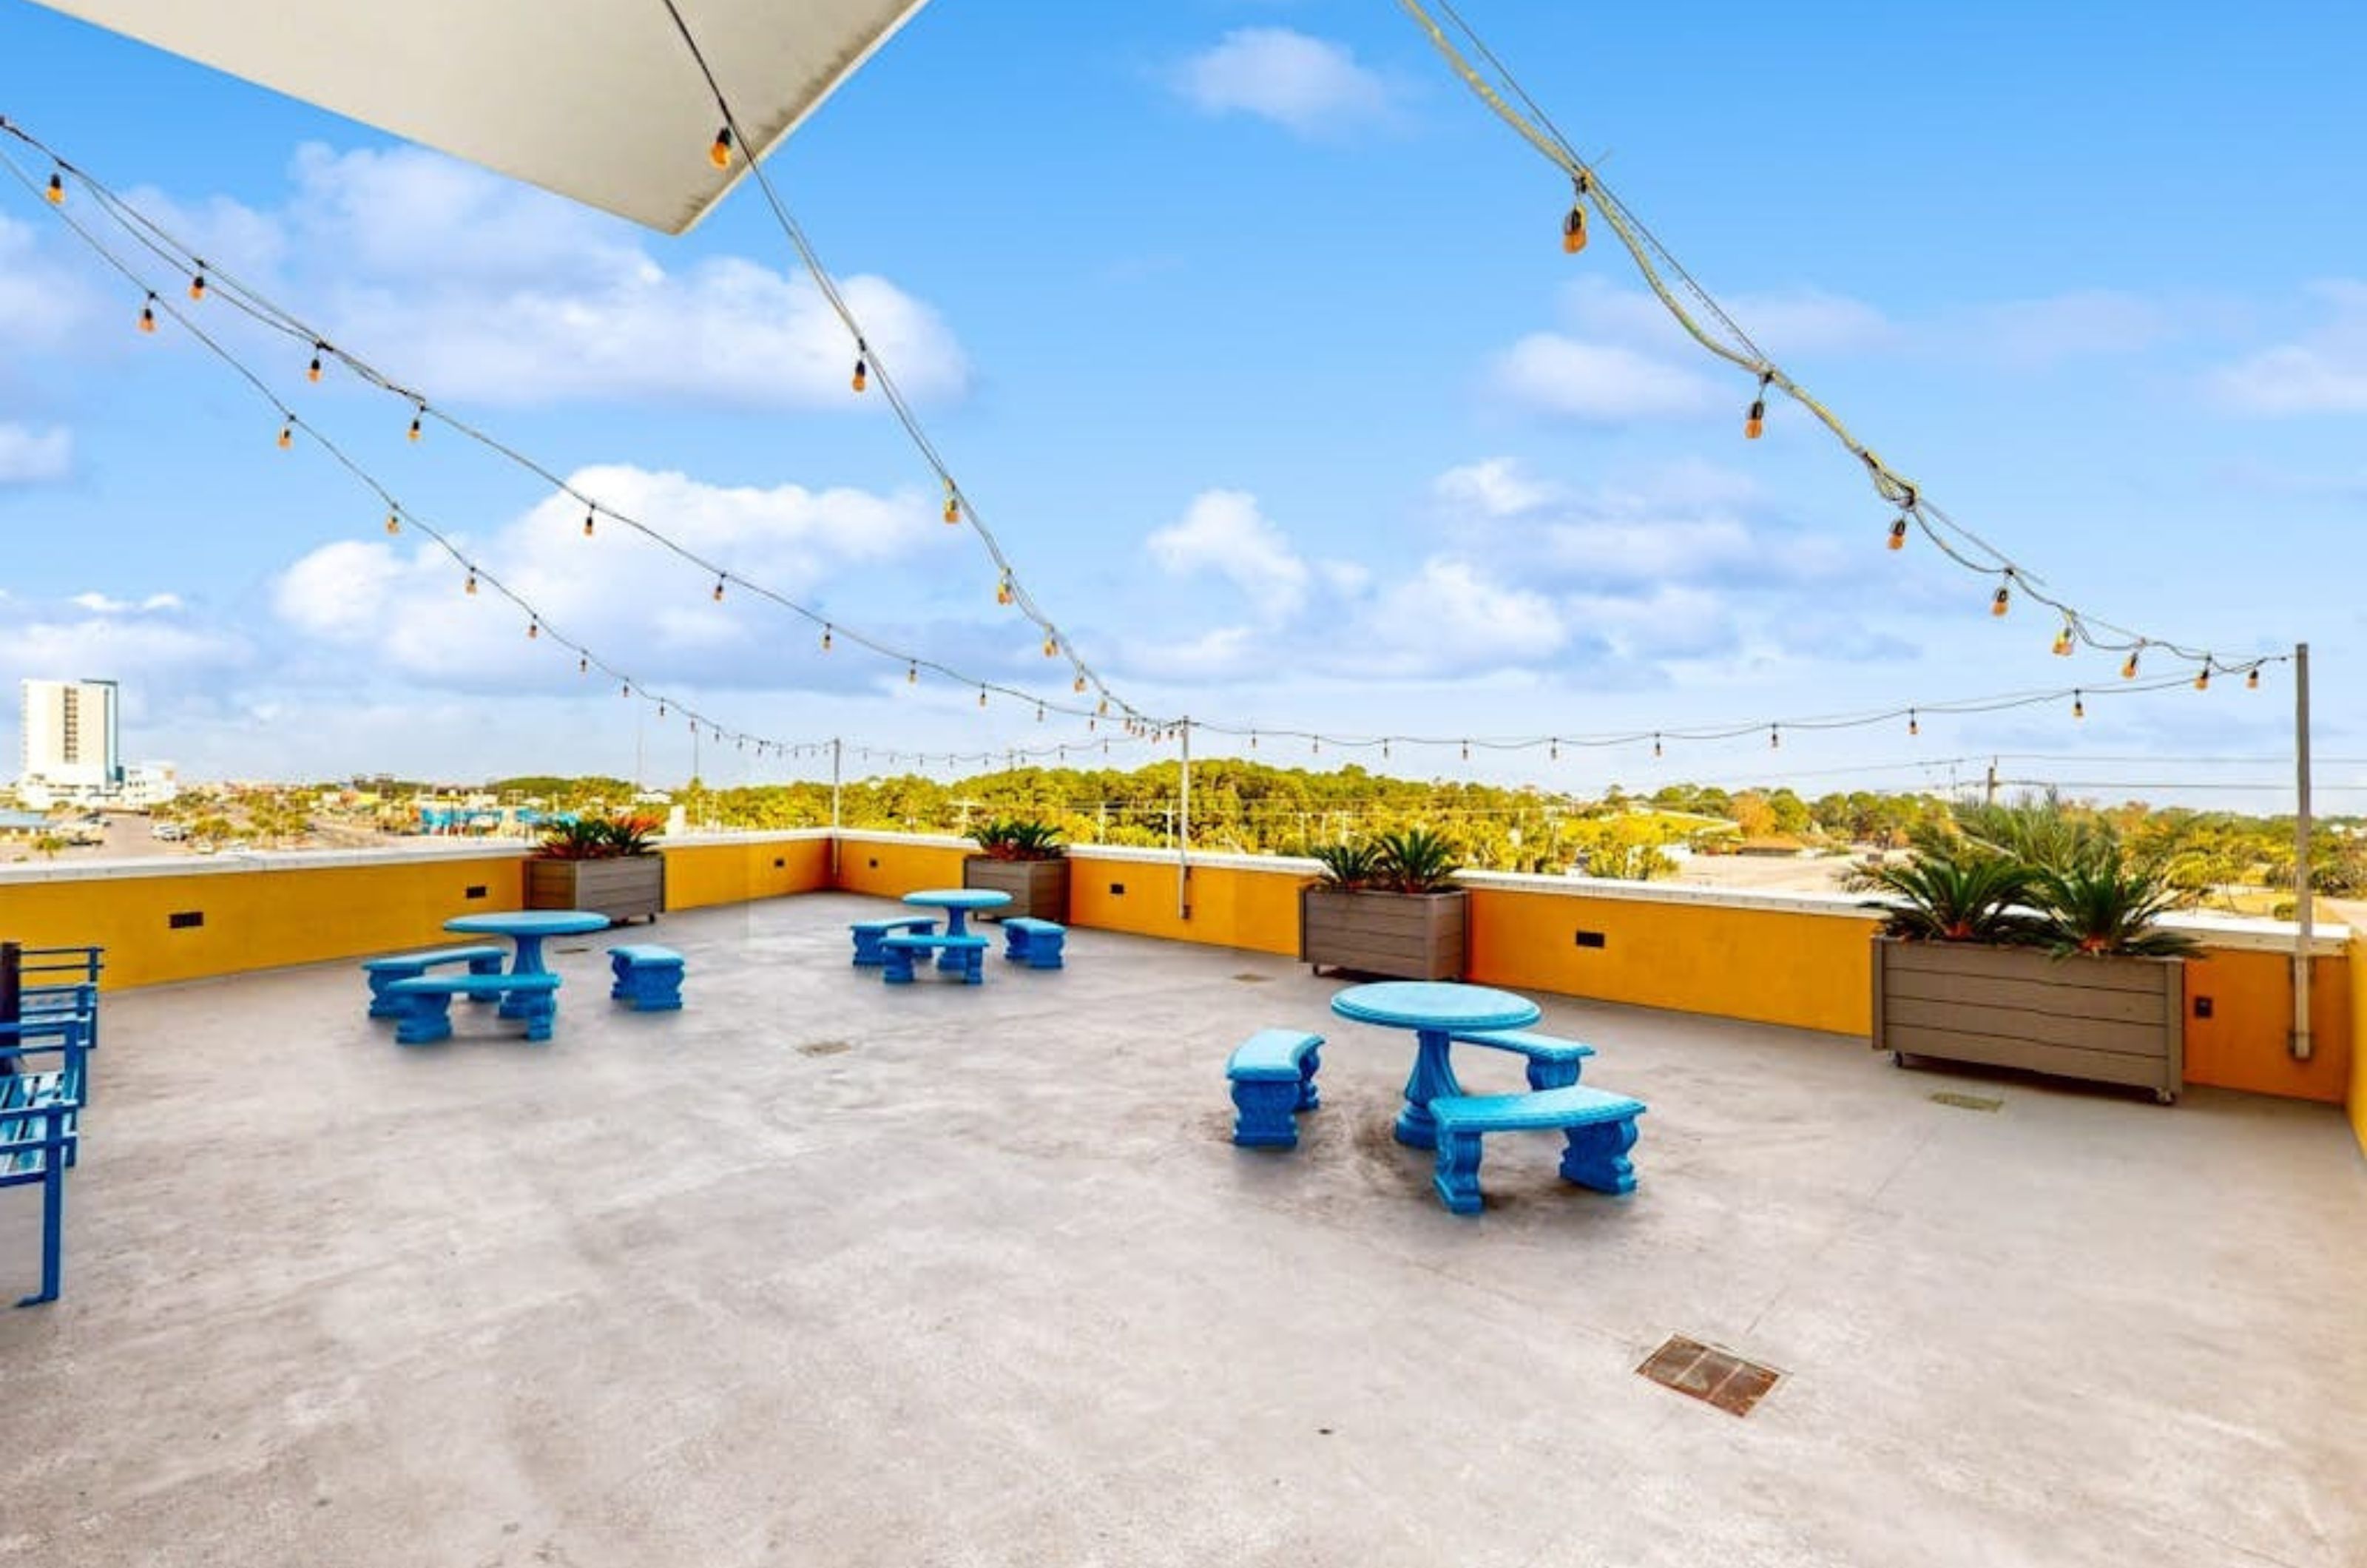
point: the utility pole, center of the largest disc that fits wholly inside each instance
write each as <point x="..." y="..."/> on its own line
<point x="837" y="756"/>
<point x="2302" y="912"/>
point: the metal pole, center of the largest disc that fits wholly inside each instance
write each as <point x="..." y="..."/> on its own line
<point x="838" y="755"/>
<point x="2302" y="912"/>
<point x="1184" y="836"/>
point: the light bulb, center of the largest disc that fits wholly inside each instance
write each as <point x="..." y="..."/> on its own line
<point x="1898" y="533"/>
<point x="913" y="674"/>
<point x="2202" y="679"/>
<point x="584" y="664"/>
<point x="414" y="426"/>
<point x="718" y="591"/>
<point x="533" y="630"/>
<point x="862" y="374"/>
<point x="719" y="153"/>
<point x="981" y="696"/>
<point x="2252" y="680"/>
<point x="1553" y="752"/>
<point x="626" y="690"/>
<point x="662" y="710"/>
<point x="288" y="436"/>
<point x="1754" y="424"/>
<point x="1573" y="230"/>
<point x="588" y="522"/>
<point x="1912" y="726"/>
<point x="2129" y="671"/>
<point x="1039" y="712"/>
<point x="1774" y="736"/>
<point x="1656" y="746"/>
<point x="1078" y="685"/>
<point x="1051" y="647"/>
<point x="2079" y="708"/>
<point x="1467" y="750"/>
<point x="953" y="507"/>
<point x="197" y="285"/>
<point x="1384" y="750"/>
<point x="57" y="191"/>
<point x="1316" y="747"/>
<point x="2001" y="600"/>
<point x="825" y="639"/>
<point x="471" y="586"/>
<point x="2062" y="641"/>
<point x="148" y="315"/>
<point x="1104" y="709"/>
<point x="313" y="371"/>
<point x="393" y="524"/>
<point x="1003" y="591"/>
<point x="1252" y="740"/>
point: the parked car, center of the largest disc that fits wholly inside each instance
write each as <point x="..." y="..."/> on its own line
<point x="171" y="833"/>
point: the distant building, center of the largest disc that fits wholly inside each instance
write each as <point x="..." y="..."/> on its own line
<point x="71" y="747"/>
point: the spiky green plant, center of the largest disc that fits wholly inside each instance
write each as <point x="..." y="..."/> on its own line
<point x="1416" y="860"/>
<point x="1017" y="839"/>
<point x="1943" y="897"/>
<point x="2108" y="903"/>
<point x="1348" y="865"/>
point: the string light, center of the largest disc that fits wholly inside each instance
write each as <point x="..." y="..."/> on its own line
<point x="198" y="282"/>
<point x="2129" y="670"/>
<point x="1774" y="736"/>
<point x="1039" y="712"/>
<point x="2079" y="705"/>
<point x="825" y="639"/>
<point x="416" y="421"/>
<point x="1002" y="590"/>
<point x="718" y="153"/>
<point x="953" y="504"/>
<point x="533" y="630"/>
<point x="2063" y="639"/>
<point x="2202" y="679"/>
<point x="1051" y="646"/>
<point x="1553" y="753"/>
<point x="1754" y="424"/>
<point x="393" y="524"/>
<point x="1466" y="749"/>
<point x="313" y="371"/>
<point x="588" y="514"/>
<point x="981" y="696"/>
<point x="148" y="315"/>
<point x="862" y="376"/>
<point x="2001" y="600"/>
<point x="57" y="192"/>
<point x="1898" y="532"/>
<point x="913" y="674"/>
<point x="584" y="664"/>
<point x="471" y="587"/>
<point x="1573" y="228"/>
<point x="288" y="436"/>
<point x="1656" y="746"/>
<point x="2252" y="680"/>
<point x="1078" y="685"/>
<point x="718" y="589"/>
<point x="1913" y="728"/>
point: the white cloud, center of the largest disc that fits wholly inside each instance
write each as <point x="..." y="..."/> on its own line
<point x="1599" y="382"/>
<point x="2066" y="326"/>
<point x="1223" y="532"/>
<point x="156" y="656"/>
<point x="41" y="303"/>
<point x="617" y="592"/>
<point x="2325" y="371"/>
<point x="1450" y="617"/>
<point x="1308" y="85"/>
<point x="34" y="457"/>
<point x="1495" y="487"/>
<point x="474" y="287"/>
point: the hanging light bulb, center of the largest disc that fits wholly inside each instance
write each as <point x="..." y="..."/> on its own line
<point x="1039" y="712"/>
<point x="1898" y="532"/>
<point x="720" y="152"/>
<point x="313" y="371"/>
<point x="1316" y="747"/>
<point x="913" y="674"/>
<point x="2063" y="639"/>
<point x="718" y="589"/>
<point x="1573" y="228"/>
<point x="533" y="630"/>
<point x="57" y="191"/>
<point x="415" y="420"/>
<point x="953" y="503"/>
<point x="1078" y="685"/>
<point x="1252" y="740"/>
<point x="2252" y="680"/>
<point x="588" y="522"/>
<point x="825" y="639"/>
<point x="1912" y="726"/>
<point x="584" y="664"/>
<point x="662" y="710"/>
<point x="471" y="586"/>
<point x="862" y="376"/>
<point x="1051" y="646"/>
<point x="1553" y="752"/>
<point x="148" y="315"/>
<point x="2079" y="707"/>
<point x="393" y="524"/>
<point x="2203" y="677"/>
<point x="626" y="690"/>
<point x="1104" y="709"/>
<point x="1754" y="423"/>
<point x="1774" y="736"/>
<point x="2129" y="671"/>
<point x="2001" y="600"/>
<point x="1384" y="750"/>
<point x="981" y="696"/>
<point x="198" y="282"/>
<point x="1467" y="750"/>
<point x="288" y="436"/>
<point x="1656" y="746"/>
<point x="1003" y="589"/>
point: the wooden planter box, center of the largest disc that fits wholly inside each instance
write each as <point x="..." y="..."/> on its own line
<point x="1038" y="888"/>
<point x="625" y="888"/>
<point x="2120" y="1021"/>
<point x="1410" y="936"/>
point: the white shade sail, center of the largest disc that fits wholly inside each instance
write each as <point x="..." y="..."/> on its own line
<point x="597" y="100"/>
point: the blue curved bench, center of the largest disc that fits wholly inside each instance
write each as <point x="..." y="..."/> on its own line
<point x="1599" y="1129"/>
<point x="1272" y="1073"/>
<point x="426" y="1003"/>
<point x="385" y="972"/>
<point x="897" y="953"/>
<point x="1553" y="1064"/>
<point x="869" y="934"/>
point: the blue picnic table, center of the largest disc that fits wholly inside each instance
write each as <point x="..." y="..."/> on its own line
<point x="1434" y="1010"/>
<point x="957" y="903"/>
<point x="528" y="928"/>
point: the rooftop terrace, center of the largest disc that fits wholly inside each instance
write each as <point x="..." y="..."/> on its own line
<point x="816" y="1270"/>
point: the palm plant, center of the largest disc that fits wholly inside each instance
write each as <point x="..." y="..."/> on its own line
<point x="1416" y="860"/>
<point x="1938" y="897"/>
<point x="2104" y="903"/>
<point x="1348" y="865"/>
<point x="1018" y="839"/>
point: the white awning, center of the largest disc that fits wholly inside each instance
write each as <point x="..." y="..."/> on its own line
<point x="598" y="100"/>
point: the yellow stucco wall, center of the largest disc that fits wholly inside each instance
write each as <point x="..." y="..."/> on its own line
<point x="257" y="918"/>
<point x="1230" y="907"/>
<point x="1805" y="970"/>
<point x="888" y="869"/>
<point x="2358" y="1038"/>
<point x="2246" y="1042"/>
<point x="735" y="871"/>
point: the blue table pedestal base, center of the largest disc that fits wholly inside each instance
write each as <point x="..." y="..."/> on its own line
<point x="1433" y="1077"/>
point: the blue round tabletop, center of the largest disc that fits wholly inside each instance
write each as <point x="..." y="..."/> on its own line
<point x="1432" y="1004"/>
<point x="959" y="897"/>
<point x="530" y="922"/>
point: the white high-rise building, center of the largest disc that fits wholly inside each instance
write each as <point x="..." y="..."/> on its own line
<point x="71" y="738"/>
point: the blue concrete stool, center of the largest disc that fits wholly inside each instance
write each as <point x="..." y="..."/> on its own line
<point x="1035" y="944"/>
<point x="1272" y="1073"/>
<point x="647" y="976"/>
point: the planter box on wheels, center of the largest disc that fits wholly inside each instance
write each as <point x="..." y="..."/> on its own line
<point x="624" y="888"/>
<point x="1408" y="936"/>
<point x="1038" y="888"/>
<point x="2117" y="1020"/>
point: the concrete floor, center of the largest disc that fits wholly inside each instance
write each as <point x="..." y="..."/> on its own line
<point x="819" y="1272"/>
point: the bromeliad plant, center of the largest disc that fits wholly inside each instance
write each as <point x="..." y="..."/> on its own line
<point x="599" y="838"/>
<point x="1019" y="840"/>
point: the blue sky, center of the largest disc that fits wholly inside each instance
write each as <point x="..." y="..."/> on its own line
<point x="1249" y="334"/>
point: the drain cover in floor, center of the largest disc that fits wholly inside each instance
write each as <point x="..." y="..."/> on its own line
<point x="1968" y="1101"/>
<point x="1710" y="1375"/>
<point x="1254" y="979"/>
